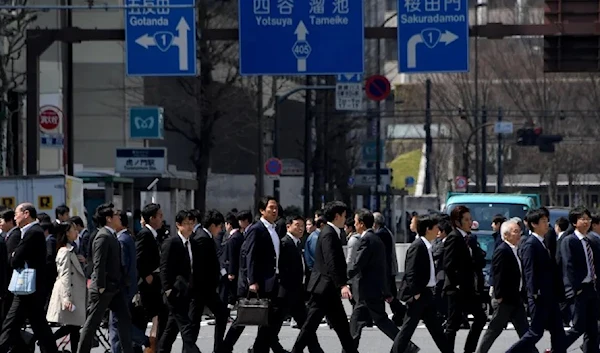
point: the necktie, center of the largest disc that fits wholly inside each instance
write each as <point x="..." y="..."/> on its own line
<point x="187" y="250"/>
<point x="590" y="256"/>
<point x="75" y="248"/>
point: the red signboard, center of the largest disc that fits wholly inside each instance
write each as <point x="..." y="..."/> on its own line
<point x="50" y="117"/>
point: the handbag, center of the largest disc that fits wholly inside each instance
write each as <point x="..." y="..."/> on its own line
<point x="22" y="281"/>
<point x="253" y="311"/>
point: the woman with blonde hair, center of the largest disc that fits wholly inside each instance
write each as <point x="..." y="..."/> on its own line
<point x="67" y="303"/>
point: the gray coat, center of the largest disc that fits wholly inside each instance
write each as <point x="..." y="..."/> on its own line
<point x="106" y="257"/>
<point x="353" y="243"/>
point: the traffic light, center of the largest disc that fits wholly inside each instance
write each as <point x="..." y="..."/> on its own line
<point x="528" y="136"/>
<point x="546" y="142"/>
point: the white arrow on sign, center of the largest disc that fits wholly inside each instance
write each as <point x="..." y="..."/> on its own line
<point x="301" y="32"/>
<point x="411" y="46"/>
<point x="180" y="40"/>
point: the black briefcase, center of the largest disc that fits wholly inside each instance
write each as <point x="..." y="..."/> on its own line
<point x="253" y="312"/>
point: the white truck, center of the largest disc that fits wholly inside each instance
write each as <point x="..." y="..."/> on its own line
<point x="45" y="192"/>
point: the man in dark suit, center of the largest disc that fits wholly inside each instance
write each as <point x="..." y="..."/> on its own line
<point x="31" y="251"/>
<point x="417" y="289"/>
<point x="371" y="280"/>
<point x="437" y="249"/>
<point x="62" y="213"/>
<point x="51" y="252"/>
<point x="463" y="264"/>
<point x="538" y="272"/>
<point x="11" y="235"/>
<point x="178" y="272"/>
<point x="230" y="260"/>
<point x="89" y="265"/>
<point x="508" y="286"/>
<point x="107" y="283"/>
<point x="561" y="226"/>
<point x="80" y="245"/>
<point x="328" y="281"/>
<point x="291" y="278"/>
<point x="148" y="262"/>
<point x="580" y="259"/>
<point x="207" y="279"/>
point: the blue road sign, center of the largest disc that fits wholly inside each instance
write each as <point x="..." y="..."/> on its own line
<point x="409" y="181"/>
<point x="369" y="151"/>
<point x="52" y="140"/>
<point x="273" y="166"/>
<point x="160" y="41"/>
<point x="433" y="36"/>
<point x="146" y="123"/>
<point x="301" y="37"/>
<point x="350" y="78"/>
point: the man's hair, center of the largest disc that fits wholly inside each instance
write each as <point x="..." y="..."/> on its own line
<point x="244" y="216"/>
<point x="534" y="216"/>
<point x="290" y="219"/>
<point x="30" y="209"/>
<point x="445" y="225"/>
<point x="61" y="210"/>
<point x="366" y="217"/>
<point x="319" y="213"/>
<point x="264" y="201"/>
<point x="197" y="214"/>
<point x="124" y="219"/>
<point x="78" y="221"/>
<point x="426" y="222"/>
<point x="43" y="217"/>
<point x="457" y="214"/>
<point x="213" y="217"/>
<point x="47" y="226"/>
<point x="379" y="219"/>
<point x="334" y="208"/>
<point x="505" y="227"/>
<point x="182" y="215"/>
<point x="577" y="213"/>
<point x="8" y="215"/>
<point x="350" y="222"/>
<point x="320" y="221"/>
<point x="498" y="219"/>
<point x="595" y="218"/>
<point x="231" y="218"/>
<point x="103" y="211"/>
<point x="562" y="223"/>
<point x="150" y="210"/>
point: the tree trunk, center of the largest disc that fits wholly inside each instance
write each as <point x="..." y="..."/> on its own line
<point x="202" y="163"/>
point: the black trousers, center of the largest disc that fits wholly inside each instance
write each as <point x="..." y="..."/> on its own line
<point x="152" y="300"/>
<point x="327" y="304"/>
<point x="585" y="319"/>
<point x="179" y="321"/>
<point x="99" y="304"/>
<point x="503" y="313"/>
<point x="421" y="309"/>
<point x="374" y="309"/>
<point x="297" y="310"/>
<point x="459" y="305"/>
<point x="213" y="302"/>
<point x="29" y="307"/>
<point x="73" y="333"/>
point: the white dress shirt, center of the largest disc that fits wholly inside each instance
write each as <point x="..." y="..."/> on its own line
<point x="274" y="238"/>
<point x="514" y="250"/>
<point x="112" y="231"/>
<point x="189" y="249"/>
<point x="582" y="239"/>
<point x="296" y="242"/>
<point x="152" y="230"/>
<point x="26" y="228"/>
<point x="337" y="230"/>
<point x="464" y="234"/>
<point x="431" y="282"/>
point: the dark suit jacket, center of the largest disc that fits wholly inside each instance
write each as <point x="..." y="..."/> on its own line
<point x="208" y="262"/>
<point x="388" y="242"/>
<point x="574" y="263"/>
<point x="175" y="269"/>
<point x="438" y="259"/>
<point x="537" y="269"/>
<point x="108" y="270"/>
<point x="507" y="275"/>
<point x="370" y="278"/>
<point x="32" y="250"/>
<point x="417" y="270"/>
<point x="258" y="260"/>
<point x="128" y="260"/>
<point x="231" y="253"/>
<point x="459" y="265"/>
<point x="291" y="271"/>
<point x="329" y="270"/>
<point x="89" y="268"/>
<point x="51" y="252"/>
<point x="147" y="253"/>
<point x="4" y="275"/>
<point x="12" y="241"/>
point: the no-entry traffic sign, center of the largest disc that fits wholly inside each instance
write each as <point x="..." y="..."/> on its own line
<point x="377" y="87"/>
<point x="50" y="117"/>
<point x="273" y="166"/>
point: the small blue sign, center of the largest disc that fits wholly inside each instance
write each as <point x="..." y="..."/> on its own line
<point x="409" y="181"/>
<point x="52" y="141"/>
<point x="160" y="41"/>
<point x="301" y="37"/>
<point x="273" y="166"/>
<point x="433" y="36"/>
<point x="350" y="78"/>
<point x="369" y="151"/>
<point x="146" y="123"/>
<point x="351" y="181"/>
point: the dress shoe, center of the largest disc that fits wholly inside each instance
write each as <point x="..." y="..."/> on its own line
<point x="412" y="348"/>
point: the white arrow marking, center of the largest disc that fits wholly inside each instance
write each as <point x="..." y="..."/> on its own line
<point x="448" y="37"/>
<point x="301" y="32"/>
<point x="349" y="76"/>
<point x="181" y="41"/>
<point x="145" y="41"/>
<point x="411" y="50"/>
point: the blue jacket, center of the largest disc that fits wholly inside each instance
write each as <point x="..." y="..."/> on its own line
<point x="310" y="247"/>
<point x="128" y="259"/>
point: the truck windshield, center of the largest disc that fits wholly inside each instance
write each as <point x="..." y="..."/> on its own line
<point x="483" y="213"/>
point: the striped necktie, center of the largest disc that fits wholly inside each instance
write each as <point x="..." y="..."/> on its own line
<point x="590" y="255"/>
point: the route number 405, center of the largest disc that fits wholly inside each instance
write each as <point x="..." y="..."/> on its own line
<point x="301" y="49"/>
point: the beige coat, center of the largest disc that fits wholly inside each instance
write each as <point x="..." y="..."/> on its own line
<point x="70" y="286"/>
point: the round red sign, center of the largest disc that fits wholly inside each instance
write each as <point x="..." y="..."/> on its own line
<point x="50" y="117"/>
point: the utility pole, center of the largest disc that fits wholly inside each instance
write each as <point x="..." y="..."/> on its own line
<point x="307" y="145"/>
<point x="428" y="139"/>
<point x="499" y="170"/>
<point x="483" y="150"/>
<point x="260" y="175"/>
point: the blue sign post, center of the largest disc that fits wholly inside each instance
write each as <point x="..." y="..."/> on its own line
<point x="146" y="123"/>
<point x="160" y="41"/>
<point x="433" y="36"/>
<point x="301" y="37"/>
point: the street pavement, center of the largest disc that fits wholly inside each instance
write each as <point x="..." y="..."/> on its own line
<point x="372" y="340"/>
